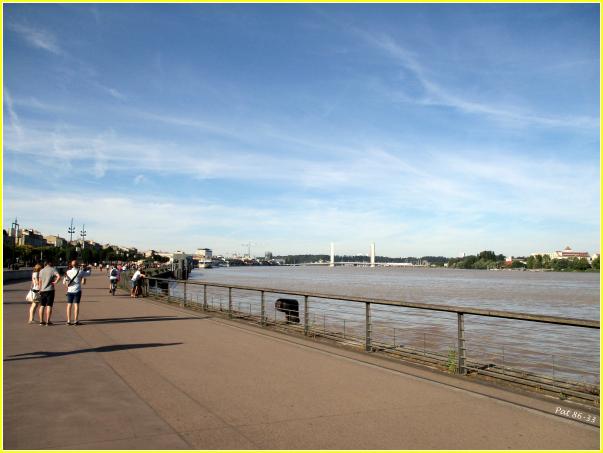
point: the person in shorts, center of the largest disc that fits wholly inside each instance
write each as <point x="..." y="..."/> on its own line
<point x="137" y="283"/>
<point x="49" y="277"/>
<point x="35" y="287"/>
<point x="73" y="281"/>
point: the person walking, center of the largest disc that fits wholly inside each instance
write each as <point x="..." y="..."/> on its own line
<point x="73" y="281"/>
<point x="48" y="277"/>
<point x="35" y="287"/>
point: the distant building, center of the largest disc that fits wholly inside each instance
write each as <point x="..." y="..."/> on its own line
<point x="56" y="241"/>
<point x="149" y="253"/>
<point x="31" y="237"/>
<point x="565" y="254"/>
<point x="268" y="255"/>
<point x="94" y="245"/>
<point x="203" y="254"/>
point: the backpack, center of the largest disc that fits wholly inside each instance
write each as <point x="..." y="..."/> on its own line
<point x="113" y="272"/>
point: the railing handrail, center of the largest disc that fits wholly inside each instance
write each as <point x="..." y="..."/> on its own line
<point x="577" y="322"/>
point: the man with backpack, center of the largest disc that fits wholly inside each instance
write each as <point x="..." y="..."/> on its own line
<point x="113" y="279"/>
<point x="73" y="281"/>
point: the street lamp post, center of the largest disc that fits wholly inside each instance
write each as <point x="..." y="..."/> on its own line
<point x="71" y="230"/>
<point x="83" y="234"/>
<point x="15" y="229"/>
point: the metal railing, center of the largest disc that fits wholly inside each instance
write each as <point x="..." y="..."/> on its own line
<point x="374" y="325"/>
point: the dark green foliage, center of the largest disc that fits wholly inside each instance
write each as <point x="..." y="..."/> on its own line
<point x="516" y="264"/>
<point x="484" y="260"/>
<point x="27" y="255"/>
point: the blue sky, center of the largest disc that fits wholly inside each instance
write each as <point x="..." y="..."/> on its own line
<point x="427" y="129"/>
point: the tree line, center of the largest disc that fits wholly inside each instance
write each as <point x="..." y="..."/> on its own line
<point x="484" y="260"/>
<point x="490" y="260"/>
<point x="27" y="255"/>
<point x="571" y="264"/>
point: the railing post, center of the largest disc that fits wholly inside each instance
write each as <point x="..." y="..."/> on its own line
<point x="262" y="309"/>
<point x="461" y="347"/>
<point x="183" y="304"/>
<point x="229" y="302"/>
<point x="168" y="291"/>
<point x="204" y="297"/>
<point x="369" y="328"/>
<point x="306" y="316"/>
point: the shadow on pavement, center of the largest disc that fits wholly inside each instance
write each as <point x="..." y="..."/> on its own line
<point x="111" y="348"/>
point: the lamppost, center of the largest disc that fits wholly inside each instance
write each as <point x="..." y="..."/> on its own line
<point x="83" y="235"/>
<point x="15" y="229"/>
<point x="71" y="230"/>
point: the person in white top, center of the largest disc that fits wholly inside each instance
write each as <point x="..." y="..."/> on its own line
<point x="73" y="281"/>
<point x="35" y="287"/>
<point x="113" y="278"/>
<point x="136" y="286"/>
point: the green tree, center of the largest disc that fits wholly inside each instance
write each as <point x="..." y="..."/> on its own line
<point x="531" y="263"/>
<point x="487" y="255"/>
<point x="596" y="263"/>
<point x="580" y="264"/>
<point x="516" y="264"/>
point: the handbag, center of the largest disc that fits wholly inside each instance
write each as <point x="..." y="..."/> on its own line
<point x="31" y="296"/>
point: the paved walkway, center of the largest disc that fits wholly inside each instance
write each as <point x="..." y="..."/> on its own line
<point x="141" y="375"/>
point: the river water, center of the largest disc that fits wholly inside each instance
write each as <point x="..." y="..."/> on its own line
<point x="558" y="351"/>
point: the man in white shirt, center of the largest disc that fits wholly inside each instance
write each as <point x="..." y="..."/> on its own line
<point x="136" y="279"/>
<point x="73" y="281"/>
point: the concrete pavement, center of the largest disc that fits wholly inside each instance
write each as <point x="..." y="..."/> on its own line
<point x="141" y="375"/>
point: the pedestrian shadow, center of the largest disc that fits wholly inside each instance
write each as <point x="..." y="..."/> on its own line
<point x="140" y="319"/>
<point x="111" y="348"/>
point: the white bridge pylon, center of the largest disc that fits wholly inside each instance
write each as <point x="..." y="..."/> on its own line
<point x="332" y="262"/>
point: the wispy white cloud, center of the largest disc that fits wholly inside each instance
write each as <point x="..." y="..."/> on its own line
<point x="455" y="183"/>
<point x="436" y="94"/>
<point x="143" y="221"/>
<point x="37" y="37"/>
<point x="113" y="92"/>
<point x="14" y="124"/>
<point x="33" y="103"/>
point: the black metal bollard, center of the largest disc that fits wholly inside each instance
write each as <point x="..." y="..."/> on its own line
<point x="290" y="307"/>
